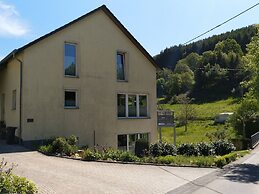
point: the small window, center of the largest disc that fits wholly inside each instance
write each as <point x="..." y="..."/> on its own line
<point x="70" y="60"/>
<point x="121" y="66"/>
<point x="121" y="105"/>
<point x="14" y="100"/>
<point x="142" y="105"/>
<point x="70" y="99"/>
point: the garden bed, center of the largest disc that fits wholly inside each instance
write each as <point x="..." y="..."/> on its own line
<point x="215" y="154"/>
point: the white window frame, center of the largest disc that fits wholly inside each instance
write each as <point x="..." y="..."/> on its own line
<point x="127" y="105"/>
<point x="138" y="137"/>
<point x="77" y="104"/>
<point x="76" y="71"/>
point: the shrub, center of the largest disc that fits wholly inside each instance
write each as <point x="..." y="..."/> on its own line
<point x="62" y="146"/>
<point x="111" y="154"/>
<point x="222" y="147"/>
<point x="47" y="149"/>
<point x="128" y="157"/>
<point x="10" y="183"/>
<point x="140" y="147"/>
<point x="205" y="149"/>
<point x="187" y="149"/>
<point x="89" y="155"/>
<point x="162" y="149"/>
<point x="155" y="149"/>
<point x="72" y="140"/>
<point x="220" y="162"/>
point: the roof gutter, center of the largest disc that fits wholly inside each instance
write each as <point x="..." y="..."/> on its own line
<point x="20" y="104"/>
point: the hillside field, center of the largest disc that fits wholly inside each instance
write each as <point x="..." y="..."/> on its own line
<point x="203" y="122"/>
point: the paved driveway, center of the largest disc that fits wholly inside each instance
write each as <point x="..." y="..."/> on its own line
<point x="57" y="175"/>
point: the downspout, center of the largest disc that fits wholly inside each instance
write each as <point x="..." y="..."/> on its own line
<point x="20" y="104"/>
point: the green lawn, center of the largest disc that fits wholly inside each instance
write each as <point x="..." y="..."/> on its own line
<point x="204" y="122"/>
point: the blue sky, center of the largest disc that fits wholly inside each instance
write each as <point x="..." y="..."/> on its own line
<point x="155" y="24"/>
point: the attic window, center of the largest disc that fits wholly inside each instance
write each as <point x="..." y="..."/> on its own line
<point x="121" y="66"/>
<point x="70" y="60"/>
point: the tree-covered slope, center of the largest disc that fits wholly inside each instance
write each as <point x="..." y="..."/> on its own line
<point x="170" y="56"/>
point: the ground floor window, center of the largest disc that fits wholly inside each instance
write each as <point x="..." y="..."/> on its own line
<point x="126" y="142"/>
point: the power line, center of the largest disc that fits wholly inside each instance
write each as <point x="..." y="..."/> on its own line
<point x="222" y="23"/>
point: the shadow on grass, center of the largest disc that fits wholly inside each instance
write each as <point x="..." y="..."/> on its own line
<point x="244" y="173"/>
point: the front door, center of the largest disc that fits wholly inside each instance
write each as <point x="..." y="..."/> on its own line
<point x="2" y="108"/>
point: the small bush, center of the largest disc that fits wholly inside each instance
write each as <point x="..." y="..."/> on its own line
<point x="47" y="149"/>
<point x="72" y="140"/>
<point x="220" y="162"/>
<point x="128" y="157"/>
<point x="222" y="147"/>
<point x="188" y="149"/>
<point x="140" y="147"/>
<point x="63" y="146"/>
<point x="162" y="149"/>
<point x="10" y="183"/>
<point x="111" y="154"/>
<point x="89" y="155"/>
<point x="205" y="149"/>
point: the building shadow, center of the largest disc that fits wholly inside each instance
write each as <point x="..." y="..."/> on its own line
<point x="6" y="148"/>
<point x="243" y="173"/>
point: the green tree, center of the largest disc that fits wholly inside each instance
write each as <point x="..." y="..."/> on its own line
<point x="251" y="63"/>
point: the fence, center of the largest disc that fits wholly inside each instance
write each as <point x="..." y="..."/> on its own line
<point x="255" y="139"/>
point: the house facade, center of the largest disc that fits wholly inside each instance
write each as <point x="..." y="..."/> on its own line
<point x="90" y="78"/>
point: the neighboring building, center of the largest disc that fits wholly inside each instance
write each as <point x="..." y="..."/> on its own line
<point x="90" y="78"/>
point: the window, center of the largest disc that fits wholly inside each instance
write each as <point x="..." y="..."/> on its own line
<point x="142" y="105"/>
<point x="70" y="99"/>
<point x="127" y="142"/>
<point x="121" y="66"/>
<point x="122" y="142"/>
<point x="14" y="100"/>
<point x="70" y="60"/>
<point x="132" y="106"/>
<point x="121" y="105"/>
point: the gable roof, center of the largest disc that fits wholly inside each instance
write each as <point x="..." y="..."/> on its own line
<point x="4" y="61"/>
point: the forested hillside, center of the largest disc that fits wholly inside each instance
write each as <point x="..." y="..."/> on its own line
<point x="170" y="56"/>
<point x="209" y="68"/>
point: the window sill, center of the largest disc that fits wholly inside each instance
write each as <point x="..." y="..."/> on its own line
<point x="71" y="76"/>
<point x="71" y="107"/>
<point x="122" y="81"/>
<point x="125" y="118"/>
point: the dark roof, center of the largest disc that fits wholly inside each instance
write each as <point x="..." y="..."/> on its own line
<point x="4" y="61"/>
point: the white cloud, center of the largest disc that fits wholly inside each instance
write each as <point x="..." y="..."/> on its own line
<point x="10" y="21"/>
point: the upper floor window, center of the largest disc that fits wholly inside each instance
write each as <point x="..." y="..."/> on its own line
<point x="121" y="66"/>
<point x="70" y="60"/>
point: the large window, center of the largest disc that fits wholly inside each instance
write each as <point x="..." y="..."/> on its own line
<point x="121" y="66"/>
<point x="70" y="99"/>
<point x="132" y="106"/>
<point x="70" y="60"/>
<point x="127" y="142"/>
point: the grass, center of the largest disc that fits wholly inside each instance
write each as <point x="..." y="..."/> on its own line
<point x="203" y="122"/>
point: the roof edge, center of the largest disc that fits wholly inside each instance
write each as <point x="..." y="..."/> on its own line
<point x="108" y="13"/>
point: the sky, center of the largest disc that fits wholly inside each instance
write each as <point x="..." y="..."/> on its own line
<point x="155" y="24"/>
